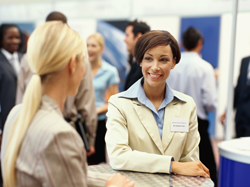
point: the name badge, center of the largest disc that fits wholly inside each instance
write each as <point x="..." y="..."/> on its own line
<point x="179" y="125"/>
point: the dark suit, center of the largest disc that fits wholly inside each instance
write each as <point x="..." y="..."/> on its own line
<point x="242" y="101"/>
<point x="134" y="75"/>
<point x="8" y="85"/>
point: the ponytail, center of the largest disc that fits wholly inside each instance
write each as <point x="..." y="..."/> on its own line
<point x="50" y="47"/>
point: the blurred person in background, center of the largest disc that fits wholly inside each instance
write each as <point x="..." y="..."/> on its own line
<point x="39" y="147"/>
<point x="105" y="80"/>
<point x="10" y="42"/>
<point x="134" y="30"/>
<point x="196" y="78"/>
<point x="83" y="102"/>
<point x="9" y="68"/>
<point x="242" y="101"/>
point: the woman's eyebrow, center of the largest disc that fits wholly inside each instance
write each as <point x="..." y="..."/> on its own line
<point x="164" y="55"/>
<point x="149" y="54"/>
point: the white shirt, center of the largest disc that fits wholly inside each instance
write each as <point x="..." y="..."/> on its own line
<point x="13" y="59"/>
<point x="195" y="77"/>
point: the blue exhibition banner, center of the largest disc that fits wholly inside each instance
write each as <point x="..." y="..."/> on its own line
<point x="115" y="51"/>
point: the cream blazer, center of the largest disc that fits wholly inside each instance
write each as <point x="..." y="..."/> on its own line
<point x="133" y="140"/>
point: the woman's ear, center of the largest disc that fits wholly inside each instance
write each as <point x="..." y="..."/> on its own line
<point x="174" y="63"/>
<point x="72" y="64"/>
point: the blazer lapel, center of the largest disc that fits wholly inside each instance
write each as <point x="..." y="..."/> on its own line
<point x="146" y="117"/>
<point x="172" y="110"/>
<point x="7" y="65"/>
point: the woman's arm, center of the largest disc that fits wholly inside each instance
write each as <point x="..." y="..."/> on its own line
<point x="113" y="89"/>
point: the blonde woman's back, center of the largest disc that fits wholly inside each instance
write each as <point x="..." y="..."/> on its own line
<point x="50" y="146"/>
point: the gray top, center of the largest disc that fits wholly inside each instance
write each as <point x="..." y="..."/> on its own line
<point x="236" y="149"/>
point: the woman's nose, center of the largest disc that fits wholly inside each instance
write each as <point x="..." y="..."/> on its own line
<point x="155" y="66"/>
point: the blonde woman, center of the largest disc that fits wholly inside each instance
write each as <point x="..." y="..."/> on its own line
<point x="105" y="79"/>
<point x="39" y="147"/>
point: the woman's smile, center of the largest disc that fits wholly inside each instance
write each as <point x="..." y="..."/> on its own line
<point x="154" y="76"/>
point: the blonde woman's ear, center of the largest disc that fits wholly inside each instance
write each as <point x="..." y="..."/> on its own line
<point x="72" y="64"/>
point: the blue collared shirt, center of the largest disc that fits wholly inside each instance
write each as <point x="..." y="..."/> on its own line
<point x="105" y="77"/>
<point x="137" y="91"/>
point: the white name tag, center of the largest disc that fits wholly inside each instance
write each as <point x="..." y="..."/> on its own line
<point x="179" y="125"/>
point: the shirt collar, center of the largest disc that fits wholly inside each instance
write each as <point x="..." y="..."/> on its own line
<point x="137" y="91"/>
<point x="190" y="54"/>
<point x="103" y="67"/>
<point x="8" y="55"/>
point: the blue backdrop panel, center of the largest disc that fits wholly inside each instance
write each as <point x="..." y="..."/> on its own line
<point x="115" y="51"/>
<point x="27" y="28"/>
<point x="232" y="173"/>
<point x="210" y="29"/>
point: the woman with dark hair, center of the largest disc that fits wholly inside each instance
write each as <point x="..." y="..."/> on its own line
<point x="152" y="128"/>
<point x="9" y="67"/>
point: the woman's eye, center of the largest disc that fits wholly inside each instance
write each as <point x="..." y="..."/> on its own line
<point x="147" y="58"/>
<point x="164" y="60"/>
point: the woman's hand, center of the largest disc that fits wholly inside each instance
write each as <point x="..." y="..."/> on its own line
<point x="195" y="168"/>
<point x="119" y="180"/>
<point x="91" y="151"/>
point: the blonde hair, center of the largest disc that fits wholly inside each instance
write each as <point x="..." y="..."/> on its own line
<point x="50" y="47"/>
<point x="98" y="37"/>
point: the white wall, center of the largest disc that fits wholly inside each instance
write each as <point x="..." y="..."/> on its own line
<point x="33" y="10"/>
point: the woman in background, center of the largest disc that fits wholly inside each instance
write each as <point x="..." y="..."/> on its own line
<point x="9" y="67"/>
<point x="39" y="147"/>
<point x="105" y="80"/>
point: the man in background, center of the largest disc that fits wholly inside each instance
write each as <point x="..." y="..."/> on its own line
<point x="83" y="102"/>
<point x="242" y="101"/>
<point x="196" y="78"/>
<point x="133" y="31"/>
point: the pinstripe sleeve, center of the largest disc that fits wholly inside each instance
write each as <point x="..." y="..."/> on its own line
<point x="63" y="161"/>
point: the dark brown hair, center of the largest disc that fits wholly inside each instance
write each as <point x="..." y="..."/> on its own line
<point x="191" y="37"/>
<point x="56" y="16"/>
<point x="139" y="27"/>
<point x="156" y="38"/>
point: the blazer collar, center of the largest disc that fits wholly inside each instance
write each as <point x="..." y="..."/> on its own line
<point x="135" y="91"/>
<point x="147" y="119"/>
<point x="172" y="110"/>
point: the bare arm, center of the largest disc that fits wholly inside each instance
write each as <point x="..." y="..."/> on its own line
<point x="113" y="89"/>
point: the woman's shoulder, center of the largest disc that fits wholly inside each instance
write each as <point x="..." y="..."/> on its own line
<point x="185" y="97"/>
<point x="108" y="66"/>
<point x="51" y="119"/>
<point x="48" y="127"/>
<point x="119" y="99"/>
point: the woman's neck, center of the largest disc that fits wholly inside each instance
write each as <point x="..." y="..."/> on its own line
<point x="96" y="64"/>
<point x="155" y="95"/>
<point x="54" y="90"/>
